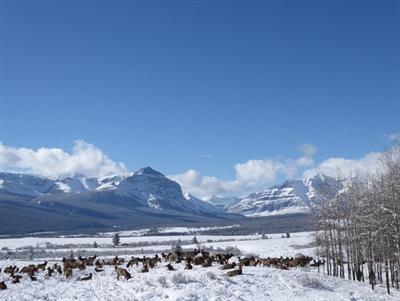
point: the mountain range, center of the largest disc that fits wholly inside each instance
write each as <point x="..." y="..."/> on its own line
<point x="145" y="198"/>
<point x="293" y="196"/>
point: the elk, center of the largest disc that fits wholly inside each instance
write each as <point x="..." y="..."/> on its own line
<point x="235" y="272"/>
<point x="170" y="267"/>
<point x="58" y="269"/>
<point x="29" y="269"/>
<point x="228" y="266"/>
<point x="132" y="261"/>
<point x="3" y="286"/>
<point x="33" y="278"/>
<point x="49" y="272"/>
<point x="188" y="266"/>
<point x="16" y="278"/>
<point x="317" y="263"/>
<point x="68" y="273"/>
<point x="144" y="269"/>
<point x="10" y="270"/>
<point x="117" y="261"/>
<point x="73" y="264"/>
<point x="207" y="263"/>
<point x="42" y="266"/>
<point x="88" y="260"/>
<point x="123" y="273"/>
<point x="198" y="260"/>
<point x="86" y="278"/>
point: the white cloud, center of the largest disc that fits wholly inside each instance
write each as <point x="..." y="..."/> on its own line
<point x="254" y="175"/>
<point x="249" y="176"/>
<point x="84" y="158"/>
<point x="204" y="186"/>
<point x="394" y="137"/>
<point x="308" y="150"/>
<point x="346" y="167"/>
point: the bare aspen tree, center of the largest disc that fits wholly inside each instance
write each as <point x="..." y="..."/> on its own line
<point x="358" y="229"/>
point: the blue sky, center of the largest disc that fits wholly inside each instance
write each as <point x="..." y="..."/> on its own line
<point x="200" y="85"/>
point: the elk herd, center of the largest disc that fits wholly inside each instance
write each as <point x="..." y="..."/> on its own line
<point x="230" y="265"/>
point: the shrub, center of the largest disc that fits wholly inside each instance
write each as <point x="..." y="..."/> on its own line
<point x="211" y="275"/>
<point x="312" y="282"/>
<point x="163" y="281"/>
<point x="178" y="278"/>
<point x="116" y="239"/>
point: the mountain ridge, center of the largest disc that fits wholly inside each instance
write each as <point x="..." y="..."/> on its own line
<point x="144" y="197"/>
<point x="293" y="196"/>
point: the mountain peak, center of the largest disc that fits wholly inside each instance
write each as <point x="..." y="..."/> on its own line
<point x="293" y="196"/>
<point x="148" y="171"/>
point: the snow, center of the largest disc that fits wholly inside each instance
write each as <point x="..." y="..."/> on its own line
<point x="290" y="210"/>
<point x="193" y="229"/>
<point x="64" y="187"/>
<point x="256" y="283"/>
<point x="14" y="243"/>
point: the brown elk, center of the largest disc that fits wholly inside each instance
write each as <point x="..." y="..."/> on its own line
<point x="144" y="269"/>
<point x="33" y="278"/>
<point x="198" y="260"/>
<point x="3" y="286"/>
<point x="29" y="269"/>
<point x="171" y="258"/>
<point x="188" y="266"/>
<point x="317" y="263"/>
<point x="117" y="261"/>
<point x="88" y="261"/>
<point x="86" y="278"/>
<point x="236" y="272"/>
<point x="207" y="263"/>
<point x="73" y="264"/>
<point x="132" y="261"/>
<point x="50" y="272"/>
<point x="123" y="273"/>
<point x="42" y="266"/>
<point x="228" y="266"/>
<point x="58" y="269"/>
<point x="16" y="278"/>
<point x="10" y="270"/>
<point x="68" y="273"/>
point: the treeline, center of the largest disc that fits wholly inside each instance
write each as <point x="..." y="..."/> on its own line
<point x="358" y="230"/>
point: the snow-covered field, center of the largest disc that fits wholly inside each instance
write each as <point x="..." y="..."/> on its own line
<point x="256" y="283"/>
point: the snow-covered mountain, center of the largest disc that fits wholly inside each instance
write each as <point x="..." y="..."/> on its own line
<point x="145" y="197"/>
<point x="146" y="186"/>
<point x="153" y="189"/>
<point x="24" y="185"/>
<point x="149" y="188"/>
<point x="222" y="202"/>
<point x="293" y="196"/>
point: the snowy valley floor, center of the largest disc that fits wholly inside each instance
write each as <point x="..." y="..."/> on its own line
<point x="256" y="283"/>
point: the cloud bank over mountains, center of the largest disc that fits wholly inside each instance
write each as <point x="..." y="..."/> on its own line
<point x="256" y="175"/>
<point x="252" y="175"/>
<point x="84" y="158"/>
